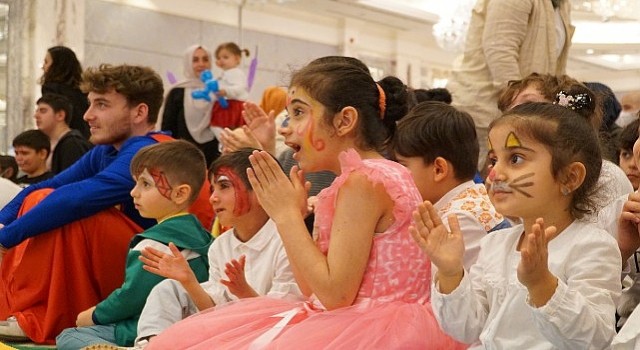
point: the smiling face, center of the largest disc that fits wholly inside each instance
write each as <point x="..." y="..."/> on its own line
<point x="110" y="118"/>
<point x="200" y="61"/>
<point x="230" y="198"/>
<point x="520" y="181"/>
<point x="152" y="195"/>
<point x="227" y="60"/>
<point x="307" y="132"/>
<point x="30" y="161"/>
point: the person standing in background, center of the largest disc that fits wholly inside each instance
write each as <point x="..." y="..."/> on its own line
<point x="62" y="75"/>
<point x="507" y="40"/>
<point x="188" y="118"/>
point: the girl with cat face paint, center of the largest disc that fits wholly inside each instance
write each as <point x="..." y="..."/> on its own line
<point x="550" y="282"/>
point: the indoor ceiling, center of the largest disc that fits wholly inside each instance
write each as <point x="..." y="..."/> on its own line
<point x="601" y="47"/>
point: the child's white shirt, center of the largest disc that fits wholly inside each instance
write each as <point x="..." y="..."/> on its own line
<point x="267" y="268"/>
<point x="490" y="308"/>
<point x="234" y="82"/>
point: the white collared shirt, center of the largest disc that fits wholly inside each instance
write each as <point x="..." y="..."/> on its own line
<point x="267" y="268"/>
<point x="490" y="304"/>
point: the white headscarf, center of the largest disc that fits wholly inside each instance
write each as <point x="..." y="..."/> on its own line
<point x="197" y="113"/>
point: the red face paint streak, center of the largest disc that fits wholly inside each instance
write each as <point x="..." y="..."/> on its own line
<point x="162" y="183"/>
<point x="242" y="205"/>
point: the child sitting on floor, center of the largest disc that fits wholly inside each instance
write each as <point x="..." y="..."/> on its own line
<point x="438" y="144"/>
<point x="245" y="261"/>
<point x="169" y="176"/>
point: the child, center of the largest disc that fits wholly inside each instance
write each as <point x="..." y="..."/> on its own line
<point x="366" y="278"/>
<point x="550" y="282"/>
<point x="626" y="139"/>
<point x="438" y="144"/>
<point x="168" y="178"/>
<point x="32" y="148"/>
<point x="53" y="114"/>
<point x="246" y="261"/>
<point x="233" y="87"/>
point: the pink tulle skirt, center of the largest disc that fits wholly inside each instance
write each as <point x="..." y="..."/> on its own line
<point x="266" y="323"/>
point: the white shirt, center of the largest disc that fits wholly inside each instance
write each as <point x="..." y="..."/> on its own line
<point x="8" y="190"/>
<point x="476" y="215"/>
<point x="612" y="183"/>
<point x="490" y="304"/>
<point x="234" y="82"/>
<point x="266" y="270"/>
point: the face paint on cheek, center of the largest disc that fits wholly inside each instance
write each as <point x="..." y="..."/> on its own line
<point x="162" y="183"/>
<point x="242" y="205"/>
<point x="309" y="133"/>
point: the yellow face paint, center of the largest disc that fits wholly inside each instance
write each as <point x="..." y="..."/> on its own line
<point x="512" y="141"/>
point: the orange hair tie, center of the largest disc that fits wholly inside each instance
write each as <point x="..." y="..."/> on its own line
<point x="382" y="101"/>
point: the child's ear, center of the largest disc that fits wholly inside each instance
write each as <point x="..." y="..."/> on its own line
<point x="60" y="115"/>
<point x="345" y="121"/>
<point x="441" y="169"/>
<point x="181" y="194"/>
<point x="42" y="154"/>
<point x="574" y="175"/>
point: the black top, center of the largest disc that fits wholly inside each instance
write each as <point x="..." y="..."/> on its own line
<point x="78" y="100"/>
<point x="69" y="149"/>
<point x="25" y="181"/>
<point x="173" y="121"/>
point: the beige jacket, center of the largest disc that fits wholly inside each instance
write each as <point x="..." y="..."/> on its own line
<point x="507" y="40"/>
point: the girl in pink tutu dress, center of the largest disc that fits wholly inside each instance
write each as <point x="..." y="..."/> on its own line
<point x="367" y="281"/>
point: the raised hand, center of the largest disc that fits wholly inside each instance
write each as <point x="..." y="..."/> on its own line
<point x="628" y="230"/>
<point x="236" y="282"/>
<point x="279" y="197"/>
<point x="173" y="265"/>
<point x="533" y="270"/>
<point x="233" y="140"/>
<point x="261" y="124"/>
<point x="445" y="248"/>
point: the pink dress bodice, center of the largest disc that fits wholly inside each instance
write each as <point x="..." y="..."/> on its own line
<point x="397" y="269"/>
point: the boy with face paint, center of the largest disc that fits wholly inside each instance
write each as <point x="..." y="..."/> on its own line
<point x="246" y="261"/>
<point x="168" y="176"/>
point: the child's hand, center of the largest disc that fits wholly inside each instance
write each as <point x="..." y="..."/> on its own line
<point x="85" y="318"/>
<point x="237" y="283"/>
<point x="444" y="248"/>
<point x="628" y="230"/>
<point x="233" y="140"/>
<point x="261" y="124"/>
<point x="533" y="270"/>
<point x="173" y="266"/>
<point x="280" y="197"/>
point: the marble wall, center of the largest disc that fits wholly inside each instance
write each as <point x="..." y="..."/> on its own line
<point x="116" y="33"/>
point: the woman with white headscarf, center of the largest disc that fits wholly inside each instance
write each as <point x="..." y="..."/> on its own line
<point x="188" y="118"/>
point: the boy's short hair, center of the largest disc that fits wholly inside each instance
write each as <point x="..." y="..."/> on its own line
<point x="435" y="129"/>
<point x="136" y="83"/>
<point x="238" y="161"/>
<point x="34" y="139"/>
<point x="58" y="103"/>
<point x="180" y="161"/>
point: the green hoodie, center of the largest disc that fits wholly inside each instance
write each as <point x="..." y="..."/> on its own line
<point x="123" y="306"/>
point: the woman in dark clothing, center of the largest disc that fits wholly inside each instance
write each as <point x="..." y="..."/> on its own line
<point x="62" y="75"/>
